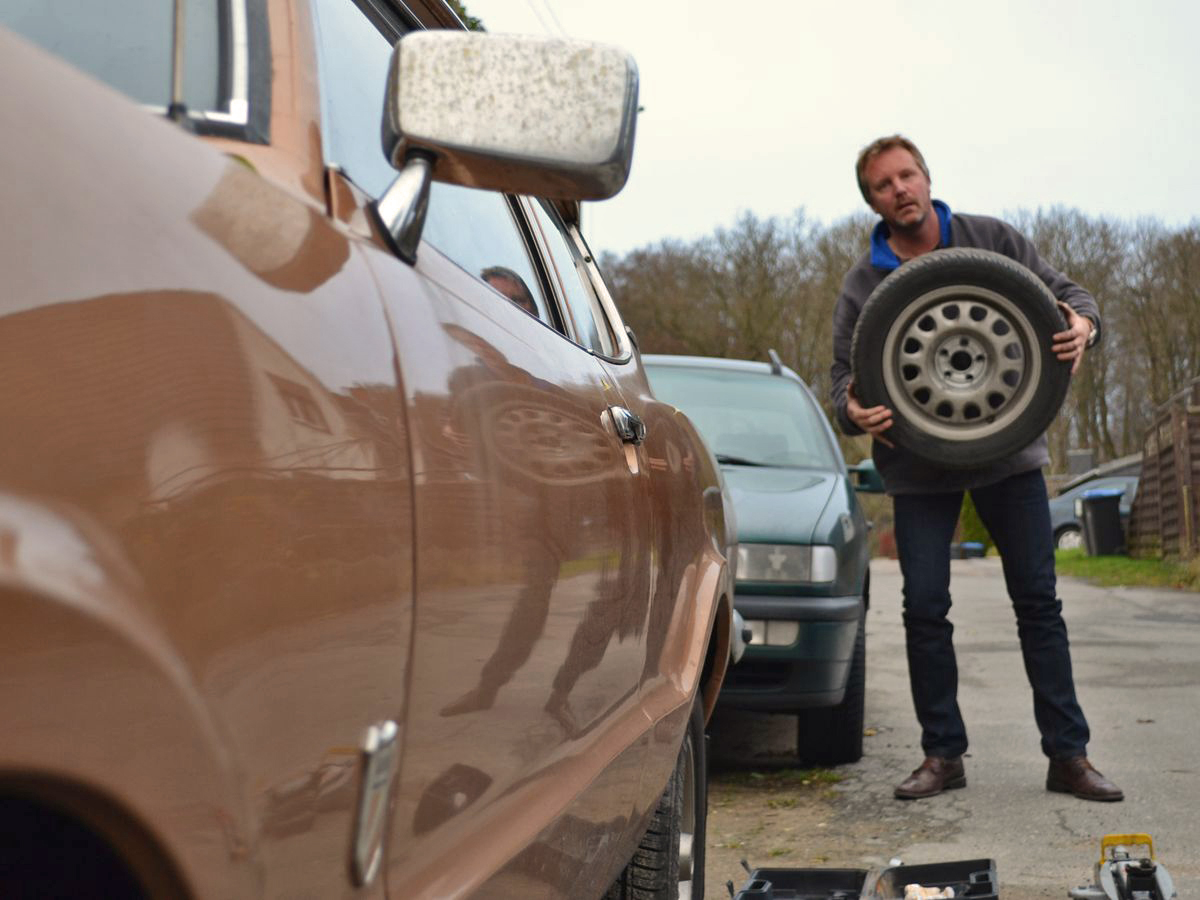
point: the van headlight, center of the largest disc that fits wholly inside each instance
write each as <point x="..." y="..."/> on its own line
<point x="796" y="563"/>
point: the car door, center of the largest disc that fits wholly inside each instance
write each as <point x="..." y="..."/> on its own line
<point x="681" y="509"/>
<point x="522" y="736"/>
<point x="199" y="368"/>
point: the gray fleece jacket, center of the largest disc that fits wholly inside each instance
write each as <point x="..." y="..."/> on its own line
<point x="903" y="472"/>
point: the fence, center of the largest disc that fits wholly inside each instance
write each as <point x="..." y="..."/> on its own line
<point x="1165" y="517"/>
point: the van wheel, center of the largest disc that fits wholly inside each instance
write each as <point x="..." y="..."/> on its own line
<point x="832" y="735"/>
<point x="669" y="861"/>
<point x="957" y="343"/>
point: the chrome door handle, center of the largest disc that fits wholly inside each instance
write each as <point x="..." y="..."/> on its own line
<point x="630" y="428"/>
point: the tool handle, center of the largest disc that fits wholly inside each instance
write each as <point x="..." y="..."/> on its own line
<point x="1118" y="840"/>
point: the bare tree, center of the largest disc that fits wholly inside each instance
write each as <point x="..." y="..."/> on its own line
<point x="772" y="283"/>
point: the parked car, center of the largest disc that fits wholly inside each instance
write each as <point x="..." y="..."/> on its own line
<point x="803" y="583"/>
<point x="1064" y="508"/>
<point x="344" y="550"/>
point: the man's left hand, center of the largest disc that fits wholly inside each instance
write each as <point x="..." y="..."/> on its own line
<point x="1070" y="344"/>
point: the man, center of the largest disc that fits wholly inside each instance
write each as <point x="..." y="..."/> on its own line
<point x="1010" y="496"/>
<point x="512" y="286"/>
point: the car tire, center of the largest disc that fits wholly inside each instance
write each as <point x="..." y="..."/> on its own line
<point x="957" y="343"/>
<point x="833" y="735"/>
<point x="1068" y="538"/>
<point x="669" y="861"/>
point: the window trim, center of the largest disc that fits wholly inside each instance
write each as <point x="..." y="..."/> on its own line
<point x="244" y="76"/>
<point x="525" y="228"/>
<point x="624" y="346"/>
<point x="623" y="349"/>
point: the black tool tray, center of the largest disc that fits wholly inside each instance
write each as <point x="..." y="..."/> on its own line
<point x="973" y="879"/>
<point x="803" y="884"/>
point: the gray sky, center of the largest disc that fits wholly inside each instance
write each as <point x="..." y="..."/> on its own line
<point x="762" y="106"/>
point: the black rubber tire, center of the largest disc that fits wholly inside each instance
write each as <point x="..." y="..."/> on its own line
<point x="833" y="735"/>
<point x="957" y="343"/>
<point x="656" y="872"/>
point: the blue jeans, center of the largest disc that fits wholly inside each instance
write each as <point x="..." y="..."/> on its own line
<point x="1017" y="516"/>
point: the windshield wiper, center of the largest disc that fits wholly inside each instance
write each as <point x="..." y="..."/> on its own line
<point x="726" y="460"/>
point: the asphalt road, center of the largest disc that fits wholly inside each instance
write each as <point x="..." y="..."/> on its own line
<point x="1136" y="655"/>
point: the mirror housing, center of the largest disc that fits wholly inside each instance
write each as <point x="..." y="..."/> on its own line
<point x="866" y="477"/>
<point x="528" y="115"/>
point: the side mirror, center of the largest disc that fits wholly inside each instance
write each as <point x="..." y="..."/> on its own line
<point x="866" y="477"/>
<point x="541" y="116"/>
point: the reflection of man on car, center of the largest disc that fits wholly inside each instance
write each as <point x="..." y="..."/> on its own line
<point x="512" y="286"/>
<point x="1010" y="495"/>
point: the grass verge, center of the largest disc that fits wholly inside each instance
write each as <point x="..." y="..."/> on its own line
<point x="1123" y="570"/>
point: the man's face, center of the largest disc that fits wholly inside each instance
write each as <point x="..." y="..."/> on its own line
<point x="899" y="190"/>
<point x="517" y="292"/>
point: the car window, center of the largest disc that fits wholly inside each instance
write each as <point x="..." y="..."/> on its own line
<point x="127" y="43"/>
<point x="764" y="419"/>
<point x="476" y="229"/>
<point x="570" y="273"/>
<point x="353" y="58"/>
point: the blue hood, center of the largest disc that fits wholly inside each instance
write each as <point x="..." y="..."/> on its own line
<point x="778" y="506"/>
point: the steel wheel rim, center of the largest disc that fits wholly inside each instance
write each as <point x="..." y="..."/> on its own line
<point x="961" y="363"/>
<point x="687" y="822"/>
<point x="549" y="444"/>
<point x="1070" y="539"/>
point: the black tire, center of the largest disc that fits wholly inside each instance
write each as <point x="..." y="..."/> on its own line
<point x="833" y="735"/>
<point x="669" y="861"/>
<point x="1068" y="538"/>
<point x="957" y="343"/>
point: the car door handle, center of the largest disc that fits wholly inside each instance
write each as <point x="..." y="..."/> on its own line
<point x="630" y="428"/>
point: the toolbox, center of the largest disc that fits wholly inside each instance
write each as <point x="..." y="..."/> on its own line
<point x="974" y="879"/>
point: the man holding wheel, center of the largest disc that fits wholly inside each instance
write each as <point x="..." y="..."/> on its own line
<point x="1009" y="493"/>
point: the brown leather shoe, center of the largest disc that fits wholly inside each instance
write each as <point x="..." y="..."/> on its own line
<point x="933" y="776"/>
<point x="1079" y="777"/>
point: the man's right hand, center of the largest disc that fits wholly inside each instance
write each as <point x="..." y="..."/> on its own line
<point x="873" y="420"/>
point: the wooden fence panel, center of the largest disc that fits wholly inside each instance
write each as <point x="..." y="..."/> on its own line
<point x="1165" y="520"/>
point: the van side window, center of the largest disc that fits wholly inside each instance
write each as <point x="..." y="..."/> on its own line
<point x="127" y="43"/>
<point x="476" y="229"/>
<point x="353" y="58"/>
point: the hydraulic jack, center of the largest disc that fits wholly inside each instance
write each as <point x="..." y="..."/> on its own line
<point x="1122" y="876"/>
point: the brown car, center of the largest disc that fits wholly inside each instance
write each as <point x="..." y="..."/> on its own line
<point x="344" y="551"/>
